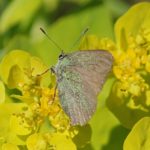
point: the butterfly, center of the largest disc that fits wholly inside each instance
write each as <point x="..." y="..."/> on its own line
<point x="80" y="76"/>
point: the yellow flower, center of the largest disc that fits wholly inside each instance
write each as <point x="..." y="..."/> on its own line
<point x="2" y="92"/>
<point x="36" y="142"/>
<point x="62" y="141"/>
<point x="42" y="114"/>
<point x="129" y="97"/>
<point x="9" y="146"/>
<point x="139" y="137"/>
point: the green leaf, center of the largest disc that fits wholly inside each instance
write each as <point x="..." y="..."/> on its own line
<point x="83" y="137"/>
<point x="46" y="127"/>
<point x="105" y="127"/>
<point x="18" y="11"/>
<point x="139" y="137"/>
<point x="81" y="2"/>
<point x="117" y="7"/>
<point x="102" y="123"/>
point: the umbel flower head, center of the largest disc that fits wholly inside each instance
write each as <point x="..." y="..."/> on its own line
<point x="130" y="96"/>
<point x="129" y="99"/>
<point x="38" y="116"/>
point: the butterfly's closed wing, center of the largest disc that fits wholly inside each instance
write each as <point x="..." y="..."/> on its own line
<point x="80" y="76"/>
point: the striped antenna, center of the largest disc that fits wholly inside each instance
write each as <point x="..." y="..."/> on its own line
<point x="50" y="39"/>
<point x="81" y="35"/>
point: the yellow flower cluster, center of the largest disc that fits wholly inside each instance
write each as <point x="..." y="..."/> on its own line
<point x="43" y="102"/>
<point x="40" y="118"/>
<point x="129" y="99"/>
<point x="132" y="66"/>
<point x="130" y="94"/>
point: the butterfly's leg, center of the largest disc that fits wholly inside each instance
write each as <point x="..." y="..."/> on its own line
<point x="52" y="69"/>
<point x="55" y="92"/>
<point x="53" y="98"/>
<point x="43" y="72"/>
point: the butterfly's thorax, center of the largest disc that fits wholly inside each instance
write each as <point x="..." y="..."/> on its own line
<point x="61" y="67"/>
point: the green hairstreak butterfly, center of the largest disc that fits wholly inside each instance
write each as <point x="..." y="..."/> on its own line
<point x="80" y="76"/>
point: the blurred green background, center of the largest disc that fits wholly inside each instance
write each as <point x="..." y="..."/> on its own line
<point x="64" y="20"/>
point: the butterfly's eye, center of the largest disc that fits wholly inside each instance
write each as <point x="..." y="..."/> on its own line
<point x="61" y="56"/>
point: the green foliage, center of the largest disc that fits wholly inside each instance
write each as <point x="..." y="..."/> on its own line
<point x="22" y="30"/>
<point x="22" y="11"/>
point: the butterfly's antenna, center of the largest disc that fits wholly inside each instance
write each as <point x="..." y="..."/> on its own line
<point x="51" y="39"/>
<point x="81" y="35"/>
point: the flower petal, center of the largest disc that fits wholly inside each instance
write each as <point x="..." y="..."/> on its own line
<point x="9" y="146"/>
<point x="139" y="137"/>
<point x="16" y="57"/>
<point x="129" y="24"/>
<point x="2" y="92"/>
<point x="36" y="142"/>
<point x="60" y="140"/>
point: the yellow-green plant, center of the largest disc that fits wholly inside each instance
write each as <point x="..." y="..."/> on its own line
<point x="31" y="119"/>
<point x="129" y="98"/>
<point x="37" y="121"/>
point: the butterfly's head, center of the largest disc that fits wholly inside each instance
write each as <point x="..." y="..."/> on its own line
<point x="62" y="55"/>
